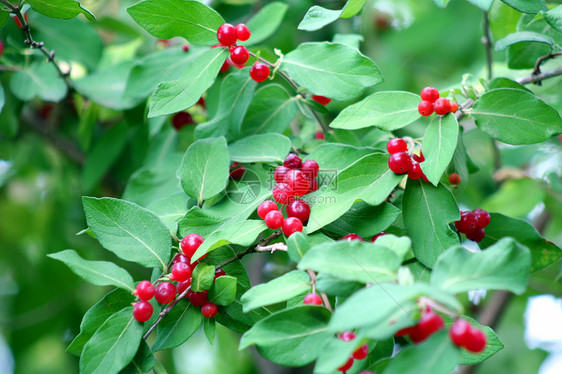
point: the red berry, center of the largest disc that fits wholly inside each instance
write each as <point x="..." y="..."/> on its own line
<point x="415" y="172"/>
<point x="182" y="286"/>
<point x="313" y="185"/>
<point x="345" y="367"/>
<point x="209" y="310"/>
<point x="219" y="273"/>
<point x="1" y="48"/>
<point x="259" y="72"/>
<point x="352" y="236"/>
<point x="428" y="324"/>
<point x="180" y="272"/>
<point x="145" y="290"/>
<point x="165" y="293"/>
<point x="283" y="193"/>
<point x="467" y="223"/>
<point x="322" y="100"/>
<point x="181" y="258"/>
<point x="291" y="225"/>
<point x="190" y="243"/>
<point x="298" y="208"/>
<point x="419" y="158"/>
<point x="476" y="235"/>
<point x="454" y="179"/>
<point x="460" y="332"/>
<point x="185" y="48"/>
<point x="180" y="119"/>
<point x="310" y="168"/>
<point x="274" y="219"/>
<point x="400" y="162"/>
<point x="454" y="107"/>
<point x="198" y="298"/>
<point x="361" y="353"/>
<point x="292" y="161"/>
<point x="297" y="181"/>
<point x="396" y="145"/>
<point x="226" y="34"/>
<point x="476" y="342"/>
<point x="239" y="55"/>
<point x="425" y="108"/>
<point x="442" y="106"/>
<point x="225" y="66"/>
<point x="377" y="236"/>
<point x="405" y="331"/>
<point x="347" y="336"/>
<point x="266" y="207"/>
<point x="201" y="102"/>
<point x="237" y="171"/>
<point x="243" y="32"/>
<point x="430" y="94"/>
<point x="313" y="299"/>
<point x="142" y="311"/>
<point x="482" y="217"/>
<point x="279" y="174"/>
<point x="319" y="135"/>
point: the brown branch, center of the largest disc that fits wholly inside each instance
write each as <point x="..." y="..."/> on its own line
<point x="165" y="312"/>
<point x="540" y="60"/>
<point x="536" y="78"/>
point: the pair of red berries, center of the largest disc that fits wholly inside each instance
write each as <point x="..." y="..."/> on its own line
<point x="472" y="224"/>
<point x="429" y="323"/>
<point x="295" y="178"/>
<point x="400" y="161"/>
<point x="463" y="334"/>
<point x="360" y="353"/>
<point x="431" y="102"/>
<point x="298" y="212"/>
<point x="353" y="236"/>
<point x="237" y="171"/>
<point x="322" y="100"/>
<point x="228" y="35"/>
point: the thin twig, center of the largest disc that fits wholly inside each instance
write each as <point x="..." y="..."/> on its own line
<point x="323" y="295"/>
<point x="165" y="312"/>
<point x="535" y="78"/>
<point x="487" y="40"/>
<point x="540" y="60"/>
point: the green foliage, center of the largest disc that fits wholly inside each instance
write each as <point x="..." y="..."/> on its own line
<point x="64" y="9"/>
<point x="439" y="144"/>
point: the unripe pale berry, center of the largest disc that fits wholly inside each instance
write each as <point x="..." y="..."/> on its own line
<point x="145" y="290"/>
<point x="291" y="225"/>
<point x="142" y="311"/>
<point x="299" y="209"/>
<point x="425" y="108"/>
<point x="243" y="32"/>
<point x="209" y="310"/>
<point x="430" y="94"/>
<point x="312" y="299"/>
<point x="266" y="207"/>
<point x="259" y="72"/>
<point x="165" y="293"/>
<point x="442" y="106"/>
<point x="227" y="35"/>
<point x="400" y="162"/>
<point x="274" y="219"/>
<point x="396" y="145"/>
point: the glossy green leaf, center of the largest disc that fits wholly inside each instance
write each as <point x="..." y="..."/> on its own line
<point x="516" y="117"/>
<point x="387" y="110"/>
<point x="223" y="290"/>
<point x="524" y="36"/>
<point x="142" y="362"/>
<point x="297" y="246"/>
<point x="333" y="70"/>
<point x="333" y="158"/>
<point x="113" y="345"/>
<point x="189" y="19"/>
<point x="177" y="95"/>
<point x="291" y="337"/>
<point x="439" y="144"/>
<point x="527" y="6"/>
<point x="131" y="232"/>
<point x="209" y="328"/>
<point x="365" y="220"/>
<point x="170" y="209"/>
<point x="554" y="18"/>
<point x="543" y="252"/>
<point x="260" y="148"/>
<point x="335" y="354"/>
<point x="64" y="9"/>
<point x="203" y="277"/>
<point x="38" y="79"/>
<point x="204" y="170"/>
<point x="369" y="179"/>
<point x="334" y="286"/>
<point x="427" y="212"/>
<point x="99" y="273"/>
<point x="280" y="289"/>
<point x="266" y="22"/>
<point x="178" y="326"/>
<point x="352" y="7"/>
<point x="317" y="17"/>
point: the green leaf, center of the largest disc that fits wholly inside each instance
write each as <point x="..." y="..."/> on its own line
<point x="369" y="179"/>
<point x="441" y="3"/>
<point x="271" y="111"/>
<point x="265" y="22"/>
<point x="110" y="304"/>
<point x="2" y="98"/>
<point x="203" y="277"/>
<point x="291" y="337"/>
<point x="365" y="220"/>
<point x="388" y="110"/>
<point x="353" y="260"/>
<point x="527" y="6"/>
<point x="352" y="7"/>
<point x="335" y="354"/>
<point x="543" y="252"/>
<point x="437" y="355"/>
<point x="524" y="36"/>
<point x="131" y="232"/>
<point x="482" y="4"/>
<point x="503" y="266"/>
<point x="64" y="9"/>
<point x="166" y="19"/>
<point x="178" y="326"/>
<point x="99" y="273"/>
<point x="113" y="345"/>
<point x="352" y="40"/>
<point x="427" y="212"/>
<point x="38" y="79"/>
<point x="260" y="148"/>
<point x="297" y="246"/>
<point x="336" y="287"/>
<point x="204" y="170"/>
<point x="506" y="83"/>
<point x="280" y="289"/>
<point x="333" y="70"/>
<point x="142" y="362"/>
<point x="177" y="95"/>
<point x="317" y="17"/>
<point x="334" y="157"/>
<point x="209" y="327"/>
<point x="439" y="144"/>
<point x="170" y="209"/>
<point x="516" y="117"/>
<point x="554" y="18"/>
<point x="223" y="290"/>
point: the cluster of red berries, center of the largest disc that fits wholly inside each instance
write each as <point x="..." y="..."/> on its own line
<point x="400" y="161"/>
<point x="353" y="236"/>
<point x="166" y="292"/>
<point x="298" y="212"/>
<point x="360" y="353"/>
<point x="472" y="224"/>
<point x="431" y="102"/>
<point x="295" y="178"/>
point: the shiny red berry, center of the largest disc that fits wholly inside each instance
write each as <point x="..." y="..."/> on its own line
<point x="482" y="217"/>
<point x="361" y="353"/>
<point x="225" y="66"/>
<point x="209" y="310"/>
<point x="198" y="298"/>
<point x="243" y="32"/>
<point x="313" y="299"/>
<point x="292" y="161"/>
<point x="240" y="55"/>
<point x="476" y="235"/>
<point x="182" y="286"/>
<point x="165" y="293"/>
<point x="396" y="145"/>
<point x="185" y="48"/>
<point x="259" y="72"/>
<point x="442" y="106"/>
<point x="266" y="207"/>
<point x="459" y="332"/>
<point x="377" y="236"/>
<point x="142" y="311"/>
<point x="274" y="219"/>
<point x="427" y="325"/>
<point x="226" y="35"/>
<point x="454" y="107"/>
<point x="219" y="273"/>
<point x="319" y="135"/>
<point x="313" y="185"/>
<point x="181" y="272"/>
<point x="145" y="290"/>
<point x="181" y="119"/>
<point x="415" y="172"/>
<point x="347" y="336"/>
<point x="467" y="223"/>
<point x="283" y="193"/>
<point x="476" y="342"/>
<point x="237" y="171"/>
<point x="181" y="258"/>
<point x="322" y="100"/>
<point x="425" y="108"/>
<point x="280" y="172"/>
<point x="345" y="367"/>
<point x="454" y="179"/>
<point x="400" y="162"/>
<point x="419" y="158"/>
<point x="1" y="48"/>
<point x="352" y="236"/>
<point x="310" y="168"/>
<point x="190" y="243"/>
<point x="430" y="94"/>
<point x="297" y="181"/>
<point x="291" y="225"/>
<point x="299" y="209"/>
